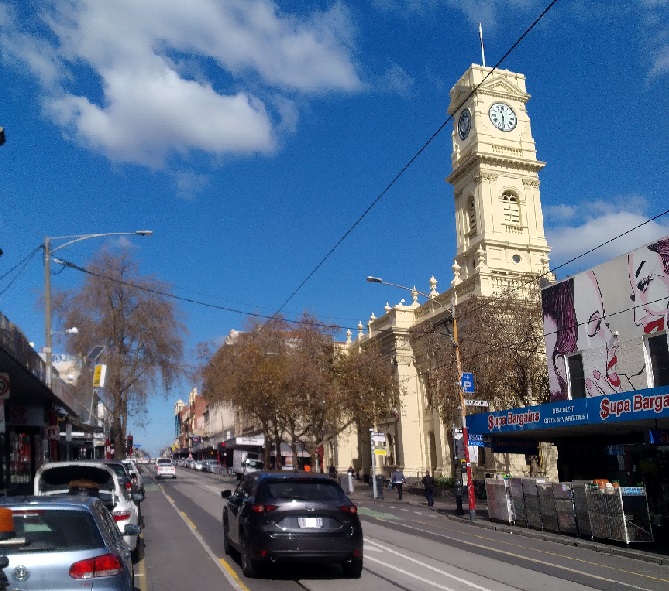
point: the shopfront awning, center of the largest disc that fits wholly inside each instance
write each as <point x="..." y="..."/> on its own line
<point x="636" y="413"/>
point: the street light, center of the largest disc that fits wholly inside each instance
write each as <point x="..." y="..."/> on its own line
<point x="463" y="415"/>
<point x="48" y="251"/>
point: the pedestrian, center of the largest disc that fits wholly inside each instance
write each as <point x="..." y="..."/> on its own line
<point x="397" y="479"/>
<point x="332" y="471"/>
<point x="428" y="484"/>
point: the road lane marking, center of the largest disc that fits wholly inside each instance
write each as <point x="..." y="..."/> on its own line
<point x="549" y="553"/>
<point x="222" y="564"/>
<point x="419" y="578"/>
<point x="518" y="556"/>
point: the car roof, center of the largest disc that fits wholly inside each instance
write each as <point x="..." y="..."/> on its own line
<point x="59" y="501"/>
<point x="267" y="475"/>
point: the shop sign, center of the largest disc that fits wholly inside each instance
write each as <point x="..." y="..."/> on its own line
<point x="52" y="432"/>
<point x="646" y="404"/>
<point x="475" y="440"/>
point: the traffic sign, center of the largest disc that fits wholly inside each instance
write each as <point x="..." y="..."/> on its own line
<point x="467" y="383"/>
<point x="52" y="432"/>
<point x="476" y="402"/>
<point x="379" y="451"/>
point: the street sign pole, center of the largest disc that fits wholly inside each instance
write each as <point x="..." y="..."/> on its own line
<point x="463" y="416"/>
<point x="373" y="474"/>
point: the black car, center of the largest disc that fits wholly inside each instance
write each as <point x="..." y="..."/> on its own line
<point x="277" y="516"/>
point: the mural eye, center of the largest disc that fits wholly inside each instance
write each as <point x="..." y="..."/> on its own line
<point x="643" y="284"/>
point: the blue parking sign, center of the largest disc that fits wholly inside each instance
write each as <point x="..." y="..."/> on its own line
<point x="467" y="383"/>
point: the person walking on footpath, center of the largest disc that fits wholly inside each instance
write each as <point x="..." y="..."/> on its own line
<point x="428" y="484"/>
<point x="397" y="480"/>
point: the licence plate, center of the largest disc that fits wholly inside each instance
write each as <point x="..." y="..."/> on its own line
<point x="310" y="522"/>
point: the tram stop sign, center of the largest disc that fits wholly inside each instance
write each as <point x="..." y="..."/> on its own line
<point x="467" y="383"/>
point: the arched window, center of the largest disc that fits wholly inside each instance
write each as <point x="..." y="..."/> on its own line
<point x="471" y="216"/>
<point x="511" y="208"/>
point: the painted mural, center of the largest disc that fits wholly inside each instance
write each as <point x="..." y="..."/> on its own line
<point x="603" y="315"/>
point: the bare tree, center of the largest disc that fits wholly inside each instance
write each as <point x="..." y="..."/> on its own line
<point x="294" y="383"/>
<point x="501" y="343"/>
<point x="139" y="327"/>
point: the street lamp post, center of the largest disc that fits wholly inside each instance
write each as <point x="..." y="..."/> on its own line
<point x="48" y="251"/>
<point x="463" y="414"/>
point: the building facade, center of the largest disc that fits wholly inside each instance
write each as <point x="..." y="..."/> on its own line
<point x="500" y="246"/>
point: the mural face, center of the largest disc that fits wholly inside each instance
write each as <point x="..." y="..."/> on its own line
<point x="592" y="313"/>
<point x="594" y="329"/>
<point x="649" y="282"/>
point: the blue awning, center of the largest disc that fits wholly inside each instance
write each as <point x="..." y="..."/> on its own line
<point x="624" y="413"/>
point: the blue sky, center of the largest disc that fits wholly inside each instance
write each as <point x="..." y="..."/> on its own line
<point x="251" y="135"/>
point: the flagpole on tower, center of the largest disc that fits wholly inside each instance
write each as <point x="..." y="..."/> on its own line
<point x="482" y="47"/>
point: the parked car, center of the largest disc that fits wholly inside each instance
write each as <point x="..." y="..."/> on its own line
<point x="135" y="474"/>
<point x="68" y="543"/>
<point x="123" y="472"/>
<point x="277" y="516"/>
<point x="165" y="467"/>
<point x="210" y="466"/>
<point x="59" y="478"/>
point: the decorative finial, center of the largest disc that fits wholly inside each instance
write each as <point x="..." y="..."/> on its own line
<point x="433" y="288"/>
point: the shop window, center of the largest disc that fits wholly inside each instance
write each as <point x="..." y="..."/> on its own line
<point x="659" y="359"/>
<point x="576" y="376"/>
<point x="511" y="208"/>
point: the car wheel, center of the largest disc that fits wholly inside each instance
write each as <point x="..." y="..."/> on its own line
<point x="227" y="548"/>
<point x="352" y="568"/>
<point x="250" y="568"/>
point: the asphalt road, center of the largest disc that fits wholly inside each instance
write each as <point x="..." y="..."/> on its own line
<point x="408" y="546"/>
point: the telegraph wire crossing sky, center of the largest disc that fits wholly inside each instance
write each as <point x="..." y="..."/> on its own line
<point x="250" y="136"/>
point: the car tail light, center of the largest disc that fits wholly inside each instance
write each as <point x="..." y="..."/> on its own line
<point x="352" y="509"/>
<point x="106" y="565"/>
<point x="121" y="515"/>
<point x="128" y="484"/>
<point x="256" y="508"/>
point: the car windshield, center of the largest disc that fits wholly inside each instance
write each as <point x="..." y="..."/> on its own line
<point x="295" y="490"/>
<point x="55" y="530"/>
<point x="58" y="478"/>
<point x="164" y="462"/>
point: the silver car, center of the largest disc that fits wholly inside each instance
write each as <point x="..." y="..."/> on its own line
<point x="66" y="543"/>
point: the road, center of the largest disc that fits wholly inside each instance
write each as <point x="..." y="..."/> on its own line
<point x="407" y="547"/>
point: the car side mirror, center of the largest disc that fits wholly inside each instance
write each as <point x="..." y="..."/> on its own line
<point x="137" y="497"/>
<point x="226" y="494"/>
<point x="131" y="529"/>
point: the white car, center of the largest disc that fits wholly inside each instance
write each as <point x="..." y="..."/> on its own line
<point x="90" y="478"/>
<point x="135" y="474"/>
<point x="165" y="467"/>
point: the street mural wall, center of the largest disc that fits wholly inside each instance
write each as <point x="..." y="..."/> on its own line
<point x="604" y="314"/>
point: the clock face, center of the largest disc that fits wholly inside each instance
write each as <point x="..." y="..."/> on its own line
<point x="502" y="116"/>
<point x="464" y="124"/>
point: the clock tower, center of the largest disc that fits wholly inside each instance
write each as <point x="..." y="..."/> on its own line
<point x="495" y="178"/>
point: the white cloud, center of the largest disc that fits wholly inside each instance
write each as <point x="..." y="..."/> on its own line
<point x="602" y="222"/>
<point x="396" y="80"/>
<point x="141" y="81"/>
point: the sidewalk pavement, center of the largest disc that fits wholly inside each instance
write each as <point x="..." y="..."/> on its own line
<point x="656" y="552"/>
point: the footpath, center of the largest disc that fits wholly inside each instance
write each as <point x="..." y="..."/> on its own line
<point x="656" y="552"/>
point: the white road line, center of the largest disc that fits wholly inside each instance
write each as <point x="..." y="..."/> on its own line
<point x="515" y="555"/>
